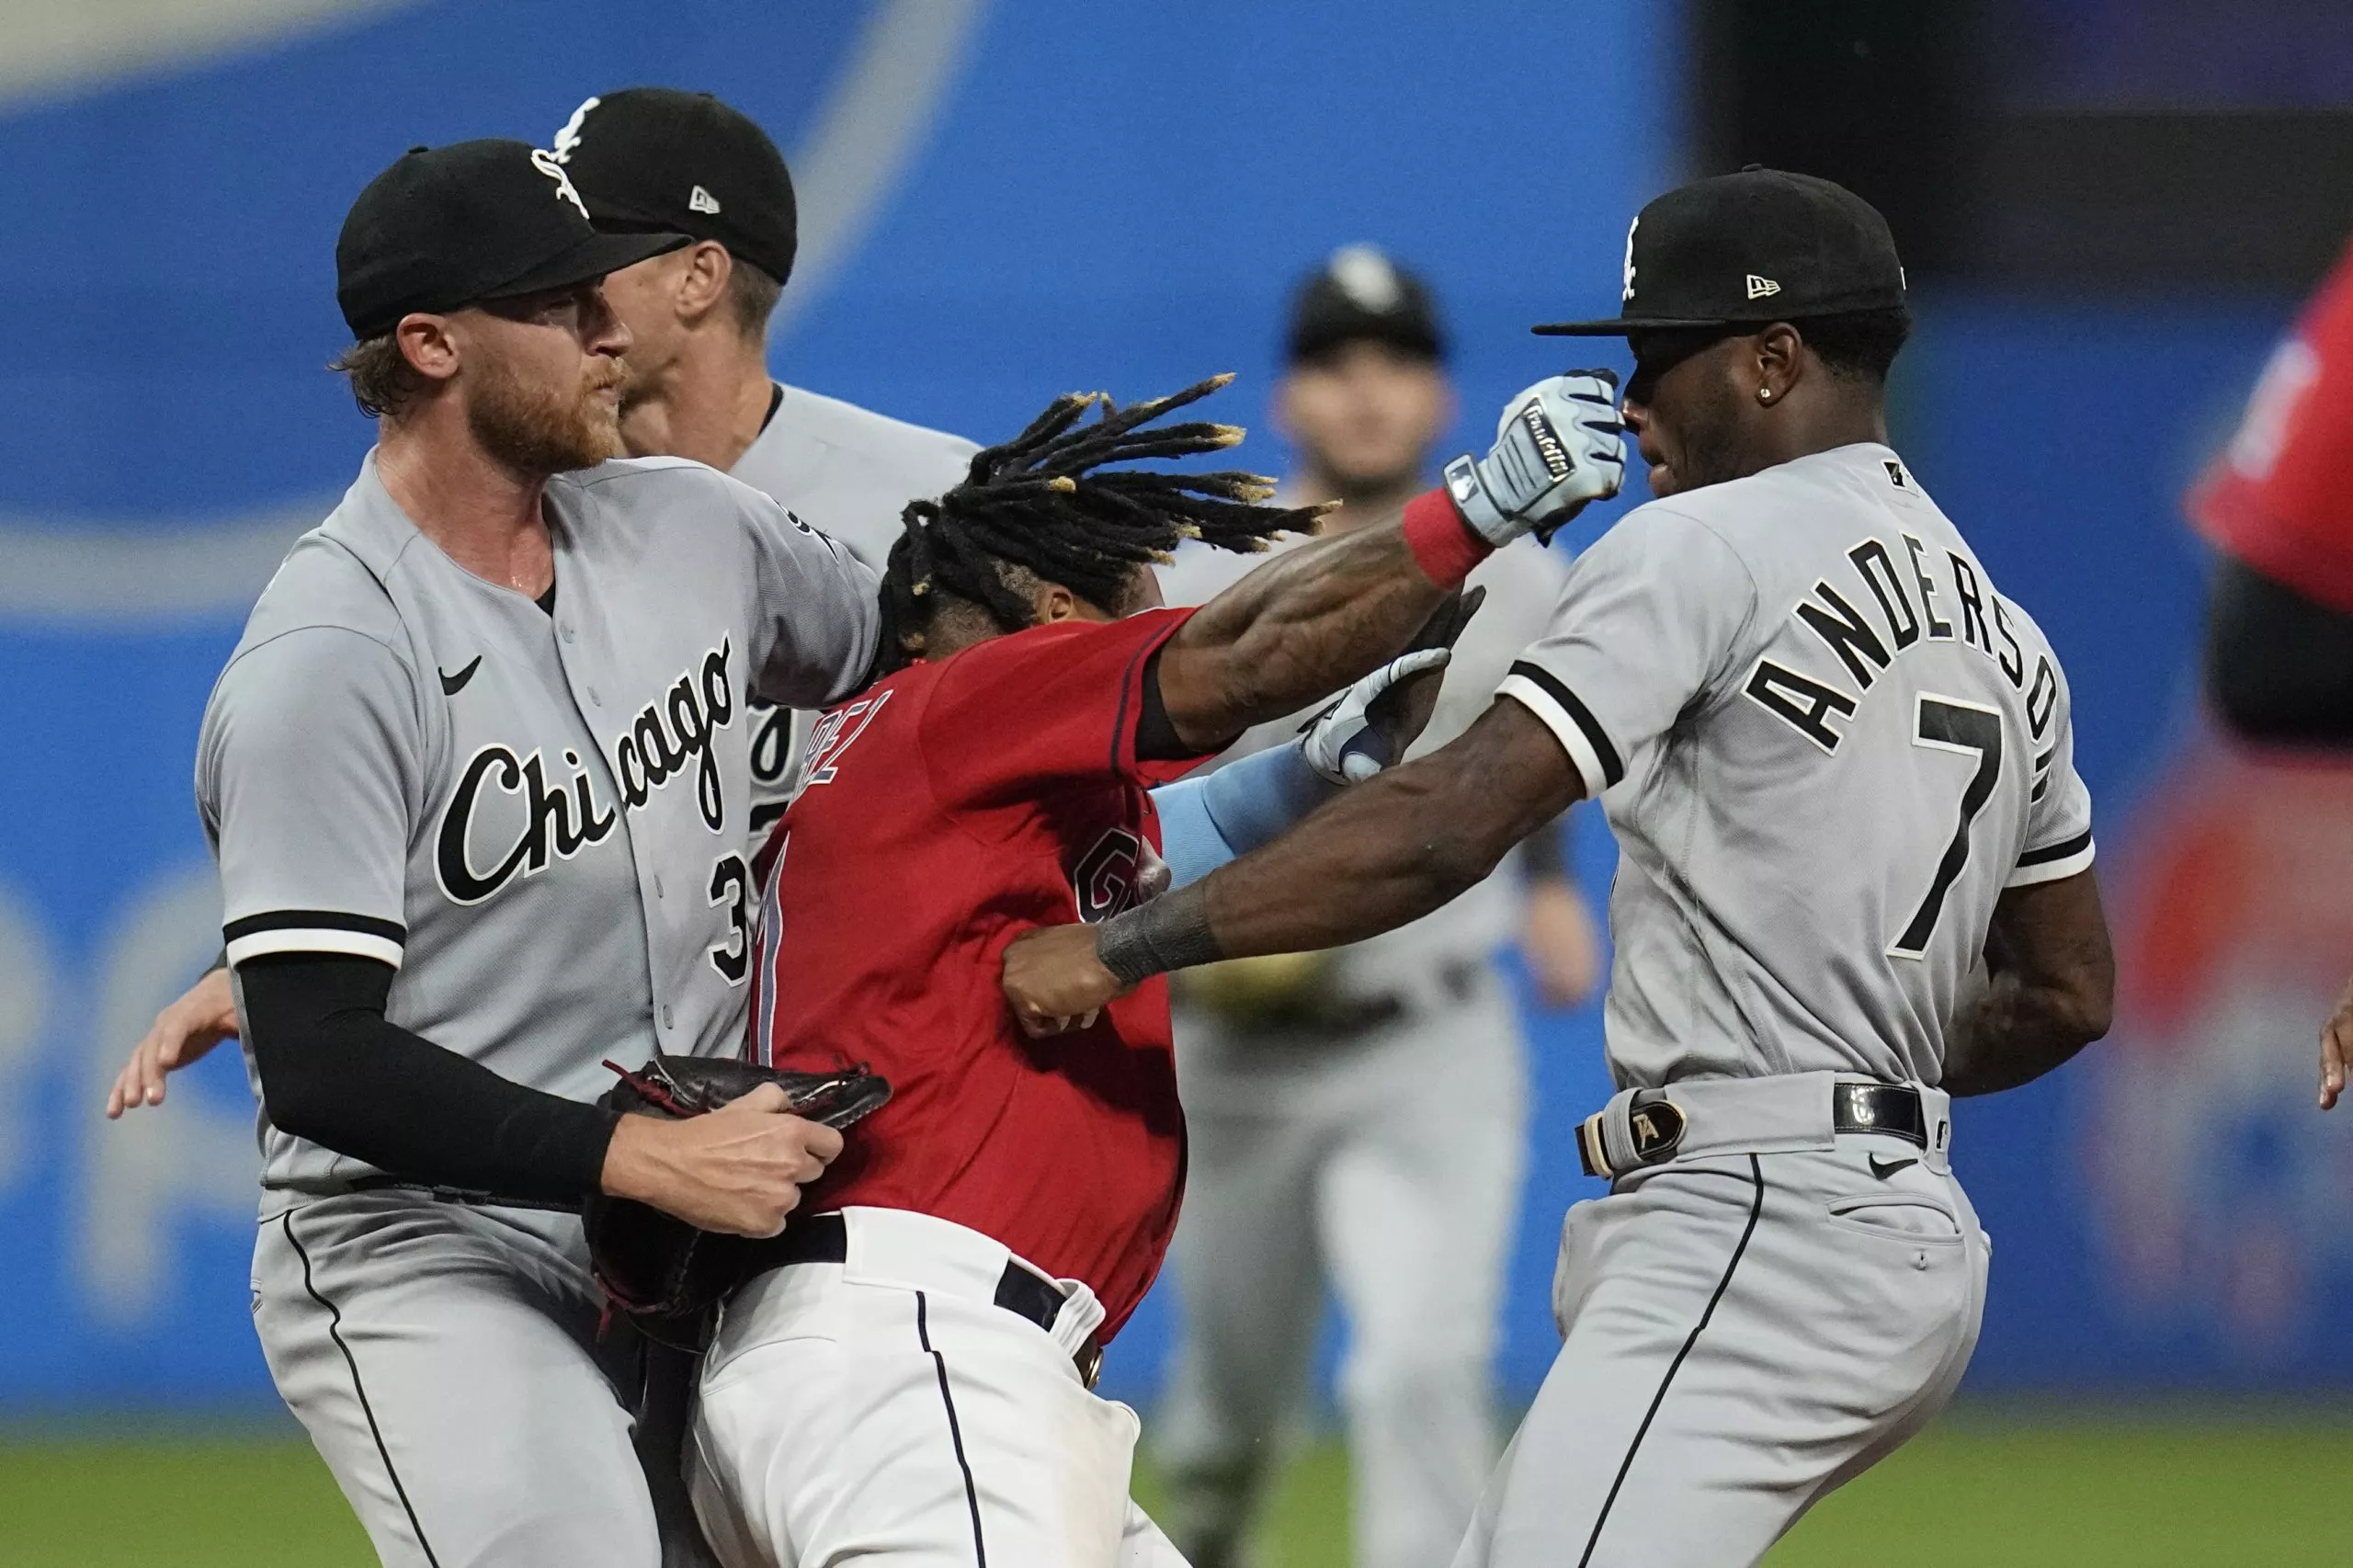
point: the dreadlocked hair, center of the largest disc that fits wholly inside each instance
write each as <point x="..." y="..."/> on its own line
<point x="1046" y="506"/>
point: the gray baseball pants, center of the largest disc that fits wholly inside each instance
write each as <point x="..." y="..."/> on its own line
<point x="1741" y="1334"/>
<point x="1355" y="1173"/>
<point x="445" y="1361"/>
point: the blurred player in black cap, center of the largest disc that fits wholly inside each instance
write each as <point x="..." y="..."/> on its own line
<point x="1293" y="1068"/>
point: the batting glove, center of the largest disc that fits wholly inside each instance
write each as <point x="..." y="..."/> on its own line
<point x="1353" y="739"/>
<point x="1559" y="445"/>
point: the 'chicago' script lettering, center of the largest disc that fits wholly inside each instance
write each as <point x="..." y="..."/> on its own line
<point x="669" y="736"/>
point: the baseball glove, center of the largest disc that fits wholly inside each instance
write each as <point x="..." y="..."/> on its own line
<point x="658" y="1270"/>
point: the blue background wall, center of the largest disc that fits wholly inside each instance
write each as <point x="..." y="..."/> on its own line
<point x="1093" y="196"/>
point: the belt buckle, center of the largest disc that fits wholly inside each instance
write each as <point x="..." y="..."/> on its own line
<point x="1090" y="1361"/>
<point x="1640" y="1127"/>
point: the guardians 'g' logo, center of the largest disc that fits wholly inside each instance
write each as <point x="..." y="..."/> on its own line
<point x="1118" y="873"/>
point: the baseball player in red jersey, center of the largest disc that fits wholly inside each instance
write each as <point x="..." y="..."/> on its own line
<point x="2279" y="504"/>
<point x="912" y="1381"/>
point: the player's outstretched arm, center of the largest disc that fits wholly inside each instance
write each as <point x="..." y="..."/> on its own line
<point x="2054" y="987"/>
<point x="2336" y="1049"/>
<point x="1386" y="852"/>
<point x="1303" y="625"/>
<point x="183" y="1032"/>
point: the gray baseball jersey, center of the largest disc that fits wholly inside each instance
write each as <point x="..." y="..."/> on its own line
<point x="850" y="471"/>
<point x="1827" y="744"/>
<point x="537" y="817"/>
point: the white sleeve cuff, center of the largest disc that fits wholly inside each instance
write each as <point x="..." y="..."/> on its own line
<point x="1581" y="735"/>
<point x="2049" y="864"/>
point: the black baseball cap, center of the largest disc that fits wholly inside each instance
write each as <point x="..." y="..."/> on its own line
<point x="1748" y="249"/>
<point x="1360" y="293"/>
<point x="448" y="227"/>
<point x="655" y="159"/>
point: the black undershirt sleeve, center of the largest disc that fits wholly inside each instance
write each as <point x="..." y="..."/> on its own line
<point x="335" y="1071"/>
<point x="2279" y="665"/>
<point x="1155" y="732"/>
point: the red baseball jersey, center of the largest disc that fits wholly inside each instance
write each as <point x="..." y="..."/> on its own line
<point x="2280" y="497"/>
<point x="948" y="809"/>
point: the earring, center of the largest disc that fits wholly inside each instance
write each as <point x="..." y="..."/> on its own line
<point x="1764" y="395"/>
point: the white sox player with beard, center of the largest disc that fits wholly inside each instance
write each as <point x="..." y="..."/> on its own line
<point x="469" y="776"/>
<point x="658" y="160"/>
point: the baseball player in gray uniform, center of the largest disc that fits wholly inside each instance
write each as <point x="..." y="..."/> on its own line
<point x="1854" y="880"/>
<point x="476" y="778"/>
<point x="658" y="159"/>
<point x="1292" y="1067"/>
<point x="653" y="160"/>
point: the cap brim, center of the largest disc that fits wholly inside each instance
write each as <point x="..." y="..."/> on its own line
<point x="1618" y="327"/>
<point x="592" y="259"/>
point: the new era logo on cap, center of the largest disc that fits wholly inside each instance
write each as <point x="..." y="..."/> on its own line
<point x="1747" y="249"/>
<point x="701" y="201"/>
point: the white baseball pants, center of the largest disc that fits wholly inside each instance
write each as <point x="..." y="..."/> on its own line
<point x="885" y="1409"/>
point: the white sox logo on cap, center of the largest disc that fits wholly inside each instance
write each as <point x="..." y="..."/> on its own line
<point x="1628" y="292"/>
<point x="550" y="164"/>
<point x="569" y="137"/>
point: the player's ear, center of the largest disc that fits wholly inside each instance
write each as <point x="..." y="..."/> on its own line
<point x="427" y="344"/>
<point x="1280" y="412"/>
<point x="704" y="271"/>
<point x="1780" y="362"/>
<point x="1052" y="603"/>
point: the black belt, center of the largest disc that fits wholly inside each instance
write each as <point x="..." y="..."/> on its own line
<point x="1648" y="1128"/>
<point x="824" y="1238"/>
<point x="1362" y="1014"/>
<point x="1892" y="1109"/>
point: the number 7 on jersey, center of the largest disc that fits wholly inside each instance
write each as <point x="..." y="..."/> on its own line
<point x="1946" y="724"/>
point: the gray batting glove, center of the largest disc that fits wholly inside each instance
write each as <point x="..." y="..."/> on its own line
<point x="1354" y="739"/>
<point x="1559" y="445"/>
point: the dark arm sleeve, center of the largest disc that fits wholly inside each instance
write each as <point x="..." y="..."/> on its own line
<point x="335" y="1070"/>
<point x="2279" y="665"/>
<point x="1542" y="855"/>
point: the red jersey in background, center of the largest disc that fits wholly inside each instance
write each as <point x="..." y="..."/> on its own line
<point x="948" y="809"/>
<point x="2280" y="497"/>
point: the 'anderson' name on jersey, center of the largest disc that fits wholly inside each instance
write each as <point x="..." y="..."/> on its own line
<point x="1827" y="744"/>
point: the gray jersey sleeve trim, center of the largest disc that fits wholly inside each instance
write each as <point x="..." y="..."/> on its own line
<point x="1572" y="722"/>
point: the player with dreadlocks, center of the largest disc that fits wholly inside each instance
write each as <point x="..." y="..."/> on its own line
<point x="1022" y="519"/>
<point x="910" y="1380"/>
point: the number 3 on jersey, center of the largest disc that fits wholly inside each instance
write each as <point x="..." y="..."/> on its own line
<point x="731" y="888"/>
<point x="1946" y="724"/>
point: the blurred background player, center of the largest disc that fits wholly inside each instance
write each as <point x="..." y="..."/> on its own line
<point x="1293" y="1068"/>
<point x="2279" y="505"/>
<point x="656" y="160"/>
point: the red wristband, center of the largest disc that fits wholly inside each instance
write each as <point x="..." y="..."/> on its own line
<point x="1441" y="542"/>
